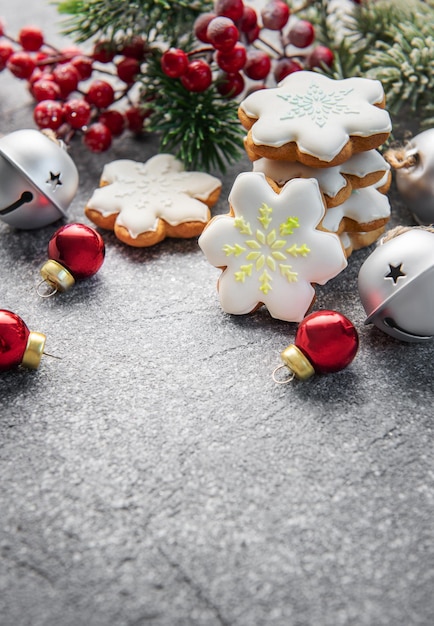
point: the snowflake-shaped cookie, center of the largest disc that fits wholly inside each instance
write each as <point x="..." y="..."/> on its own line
<point x="269" y="247"/>
<point x="145" y="202"/>
<point x="319" y="114"/>
<point x="336" y="183"/>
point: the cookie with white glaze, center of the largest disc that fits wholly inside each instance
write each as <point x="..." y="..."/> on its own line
<point x="336" y="183"/>
<point x="315" y="120"/>
<point x="269" y="248"/>
<point x="365" y="210"/>
<point x="353" y="241"/>
<point x="145" y="202"/>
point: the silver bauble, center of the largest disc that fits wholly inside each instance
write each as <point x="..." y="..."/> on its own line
<point x="416" y="182"/>
<point x="396" y="286"/>
<point x="38" y="179"/>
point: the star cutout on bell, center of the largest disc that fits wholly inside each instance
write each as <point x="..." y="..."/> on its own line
<point x="54" y="180"/>
<point x="395" y="272"/>
<point x="398" y="302"/>
<point x="31" y="198"/>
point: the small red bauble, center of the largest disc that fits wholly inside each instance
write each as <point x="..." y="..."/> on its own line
<point x="75" y="252"/>
<point x="325" y="342"/>
<point x="18" y="345"/>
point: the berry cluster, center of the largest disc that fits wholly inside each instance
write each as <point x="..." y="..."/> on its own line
<point x="232" y="47"/>
<point x="77" y="92"/>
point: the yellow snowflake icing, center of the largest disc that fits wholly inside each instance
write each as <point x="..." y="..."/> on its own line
<point x="267" y="250"/>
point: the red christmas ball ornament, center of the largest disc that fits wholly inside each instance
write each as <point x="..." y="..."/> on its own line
<point x="325" y="342"/>
<point x="75" y="252"/>
<point x="18" y="345"/>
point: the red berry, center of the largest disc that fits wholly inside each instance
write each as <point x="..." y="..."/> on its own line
<point x="275" y="15"/>
<point x="127" y="69"/>
<point x="67" y="77"/>
<point x="83" y="65"/>
<point x="44" y="89"/>
<point x="320" y="55"/>
<point x="48" y="114"/>
<point x="174" y="62"/>
<point x="104" y="52"/>
<point x="77" y="112"/>
<point x="31" y="38"/>
<point x="2" y="28"/>
<point x="98" y="137"/>
<point x="248" y="20"/>
<point x="198" y="76"/>
<point x="21" y="65"/>
<point x="253" y="34"/>
<point x="69" y="53"/>
<point x="301" y="34"/>
<point x="134" y="48"/>
<point x="284" y="67"/>
<point x="222" y="33"/>
<point x="114" y="120"/>
<point x="258" y="65"/>
<point x="229" y="8"/>
<point x="6" y="51"/>
<point x="230" y="85"/>
<point x="232" y="61"/>
<point x="200" y="26"/>
<point x="39" y="74"/>
<point x="135" y="117"/>
<point x="101" y="94"/>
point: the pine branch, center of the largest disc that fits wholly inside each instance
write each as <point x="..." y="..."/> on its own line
<point x="202" y="129"/>
<point x="111" y="19"/>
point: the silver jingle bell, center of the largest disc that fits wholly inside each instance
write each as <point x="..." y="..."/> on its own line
<point x="38" y="179"/>
<point x="396" y="286"/>
<point x="416" y="182"/>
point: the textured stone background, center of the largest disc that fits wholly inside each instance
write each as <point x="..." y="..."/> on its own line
<point x="155" y="474"/>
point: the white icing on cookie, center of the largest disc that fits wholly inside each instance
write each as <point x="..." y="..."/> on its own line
<point x="363" y="206"/>
<point x="318" y="113"/>
<point x="270" y="247"/>
<point x="143" y="193"/>
<point x="330" y="179"/>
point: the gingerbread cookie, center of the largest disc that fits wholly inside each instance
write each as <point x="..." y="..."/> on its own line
<point x="356" y="241"/>
<point x="269" y="247"/>
<point x="365" y="210"/>
<point x="314" y="119"/>
<point x="336" y="183"/>
<point x="145" y="202"/>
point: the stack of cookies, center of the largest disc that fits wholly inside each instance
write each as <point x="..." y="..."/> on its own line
<point x="312" y="126"/>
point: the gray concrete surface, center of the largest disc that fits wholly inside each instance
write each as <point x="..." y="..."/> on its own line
<point x="155" y="474"/>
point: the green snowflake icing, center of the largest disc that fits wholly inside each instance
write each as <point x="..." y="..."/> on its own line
<point x="317" y="104"/>
<point x="266" y="251"/>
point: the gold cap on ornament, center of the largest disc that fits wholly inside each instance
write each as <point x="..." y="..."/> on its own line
<point x="295" y="360"/>
<point x="57" y="276"/>
<point x="34" y="350"/>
